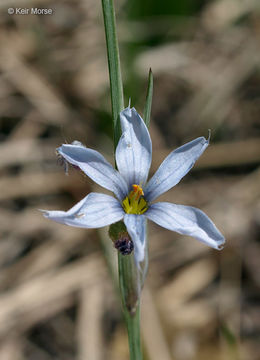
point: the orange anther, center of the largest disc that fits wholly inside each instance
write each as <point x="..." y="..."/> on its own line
<point x="138" y="189"/>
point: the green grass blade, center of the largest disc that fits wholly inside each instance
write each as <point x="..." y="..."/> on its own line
<point x="149" y="98"/>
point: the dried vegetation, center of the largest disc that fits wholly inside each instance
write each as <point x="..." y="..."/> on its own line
<point x="57" y="300"/>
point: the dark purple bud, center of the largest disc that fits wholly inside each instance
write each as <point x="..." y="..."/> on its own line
<point x="124" y="244"/>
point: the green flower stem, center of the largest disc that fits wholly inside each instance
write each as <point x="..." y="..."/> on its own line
<point x="116" y="86"/>
<point x="130" y="292"/>
<point x="130" y="286"/>
<point x="126" y="266"/>
<point x="133" y="329"/>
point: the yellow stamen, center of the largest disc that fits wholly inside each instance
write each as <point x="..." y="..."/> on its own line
<point x="135" y="202"/>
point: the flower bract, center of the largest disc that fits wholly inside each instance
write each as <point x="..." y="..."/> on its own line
<point x="134" y="196"/>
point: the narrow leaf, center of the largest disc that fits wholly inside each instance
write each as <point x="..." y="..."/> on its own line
<point x="149" y="98"/>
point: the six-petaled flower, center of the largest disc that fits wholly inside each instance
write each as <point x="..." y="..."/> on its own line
<point x="134" y="196"/>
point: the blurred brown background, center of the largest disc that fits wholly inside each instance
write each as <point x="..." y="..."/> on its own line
<point x="57" y="300"/>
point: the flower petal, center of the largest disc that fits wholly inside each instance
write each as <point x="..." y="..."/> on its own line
<point x="174" y="167"/>
<point x="186" y="220"/>
<point x="96" y="167"/>
<point x="136" y="227"/>
<point x="134" y="149"/>
<point x="94" y="211"/>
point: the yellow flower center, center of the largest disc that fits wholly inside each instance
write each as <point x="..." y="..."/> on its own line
<point x="135" y="202"/>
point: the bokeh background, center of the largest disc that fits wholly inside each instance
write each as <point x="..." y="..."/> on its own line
<point x="57" y="299"/>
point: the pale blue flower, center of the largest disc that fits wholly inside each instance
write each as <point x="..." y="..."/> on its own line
<point x="134" y="196"/>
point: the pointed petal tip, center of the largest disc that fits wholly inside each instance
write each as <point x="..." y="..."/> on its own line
<point x="221" y="244"/>
<point x="204" y="141"/>
<point x="44" y="212"/>
<point x="128" y="110"/>
<point x="77" y="143"/>
<point x="74" y="143"/>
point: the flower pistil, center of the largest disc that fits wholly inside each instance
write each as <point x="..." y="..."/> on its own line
<point x="135" y="202"/>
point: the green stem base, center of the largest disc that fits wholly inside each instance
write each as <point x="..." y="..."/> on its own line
<point x="130" y="292"/>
